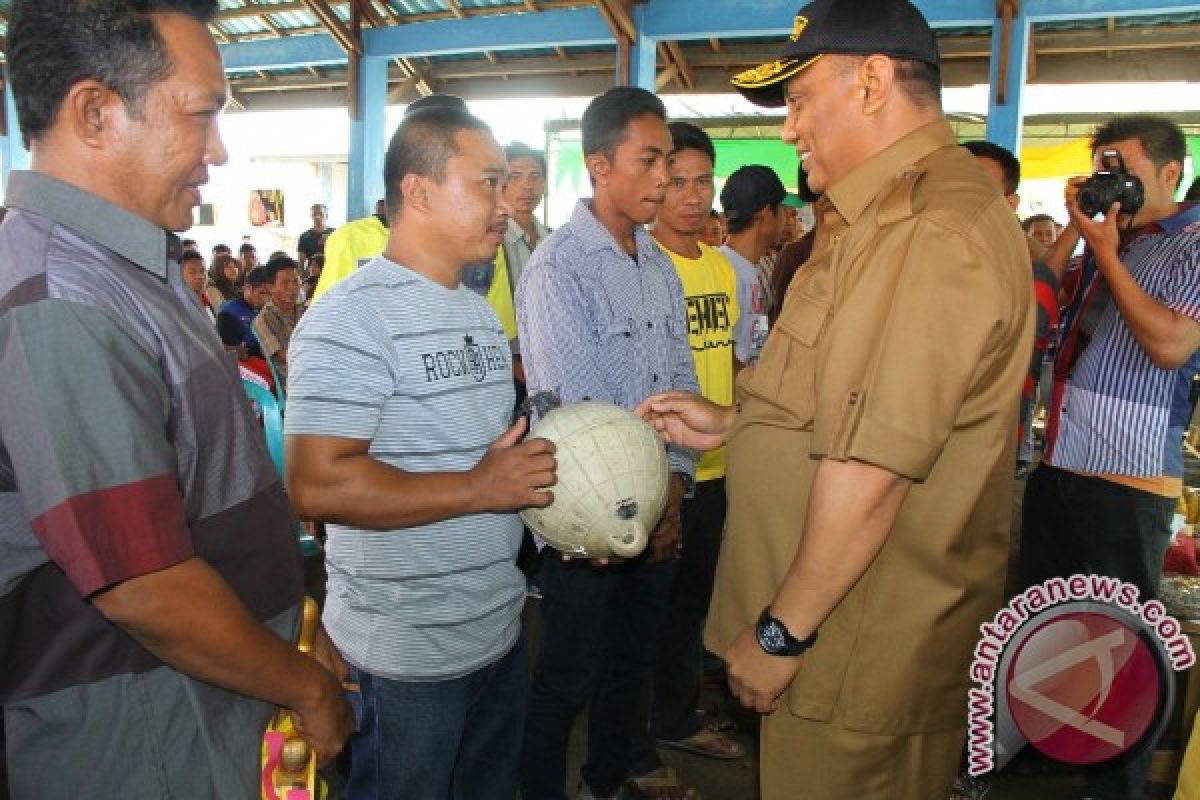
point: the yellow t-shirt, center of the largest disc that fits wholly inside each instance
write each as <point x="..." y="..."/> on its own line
<point x="500" y="296"/>
<point x="710" y="298"/>
<point x="349" y="247"/>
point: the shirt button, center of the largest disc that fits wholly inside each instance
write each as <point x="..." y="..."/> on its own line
<point x="649" y="324"/>
<point x="852" y="399"/>
<point x="654" y="377"/>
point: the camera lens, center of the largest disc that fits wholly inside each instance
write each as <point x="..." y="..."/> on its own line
<point x="1096" y="195"/>
<point x="1103" y="189"/>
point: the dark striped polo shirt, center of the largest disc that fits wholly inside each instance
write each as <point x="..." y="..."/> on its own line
<point x="1114" y="413"/>
<point x="126" y="447"/>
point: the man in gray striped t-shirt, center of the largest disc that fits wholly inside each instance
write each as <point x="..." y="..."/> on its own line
<point x="400" y="396"/>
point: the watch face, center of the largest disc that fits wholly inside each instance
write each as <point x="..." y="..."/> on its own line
<point x="772" y="637"/>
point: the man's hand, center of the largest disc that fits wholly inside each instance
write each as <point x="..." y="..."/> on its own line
<point x="687" y="419"/>
<point x="756" y="678"/>
<point x="1103" y="236"/>
<point x="666" y="540"/>
<point x="189" y="618"/>
<point x="513" y="474"/>
<point x="326" y="653"/>
<point x="327" y="722"/>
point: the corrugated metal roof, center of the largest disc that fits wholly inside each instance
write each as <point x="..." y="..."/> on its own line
<point x="288" y="20"/>
<point x="1121" y="22"/>
<point x="440" y="6"/>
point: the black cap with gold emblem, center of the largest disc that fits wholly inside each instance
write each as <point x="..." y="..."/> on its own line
<point x="854" y="27"/>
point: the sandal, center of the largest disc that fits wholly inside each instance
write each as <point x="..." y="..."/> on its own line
<point x="661" y="784"/>
<point x="714" y="719"/>
<point x="708" y="744"/>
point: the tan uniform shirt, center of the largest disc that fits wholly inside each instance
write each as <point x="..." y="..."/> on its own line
<point x="902" y="343"/>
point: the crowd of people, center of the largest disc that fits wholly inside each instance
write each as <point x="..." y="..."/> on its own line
<point x="255" y="307"/>
<point x="843" y="410"/>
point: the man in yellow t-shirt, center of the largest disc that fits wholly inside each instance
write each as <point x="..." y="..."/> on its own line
<point x="348" y="248"/>
<point x="710" y="292"/>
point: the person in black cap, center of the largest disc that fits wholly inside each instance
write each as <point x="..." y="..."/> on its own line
<point x="870" y="451"/>
<point x="752" y="199"/>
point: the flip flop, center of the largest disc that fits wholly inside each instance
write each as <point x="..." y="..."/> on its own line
<point x="661" y="784"/>
<point x="707" y="744"/>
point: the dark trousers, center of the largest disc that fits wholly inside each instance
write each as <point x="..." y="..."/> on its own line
<point x="457" y="739"/>
<point x="678" y="672"/>
<point x="599" y="626"/>
<point x="1076" y="524"/>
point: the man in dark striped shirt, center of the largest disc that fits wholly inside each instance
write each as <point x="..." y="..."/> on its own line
<point x="1102" y="500"/>
<point x="149" y="575"/>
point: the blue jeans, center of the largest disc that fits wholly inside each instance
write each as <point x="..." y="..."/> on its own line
<point x="456" y="739"/>
<point x="599" y="628"/>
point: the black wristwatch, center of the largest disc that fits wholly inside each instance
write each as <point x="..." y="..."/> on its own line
<point x="776" y="640"/>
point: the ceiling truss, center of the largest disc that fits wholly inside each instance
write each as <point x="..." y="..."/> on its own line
<point x="681" y="66"/>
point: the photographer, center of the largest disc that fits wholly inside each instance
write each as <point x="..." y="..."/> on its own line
<point x="1102" y="499"/>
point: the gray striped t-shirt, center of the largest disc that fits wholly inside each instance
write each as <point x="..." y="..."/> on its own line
<point x="424" y="373"/>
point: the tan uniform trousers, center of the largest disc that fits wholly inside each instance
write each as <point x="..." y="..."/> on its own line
<point x="805" y="760"/>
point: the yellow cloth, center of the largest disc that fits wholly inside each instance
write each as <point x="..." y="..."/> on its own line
<point x="349" y="247"/>
<point x="1055" y="161"/>
<point x="500" y="296"/>
<point x="710" y="296"/>
<point x="1188" y="787"/>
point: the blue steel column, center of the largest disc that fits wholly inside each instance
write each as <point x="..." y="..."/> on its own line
<point x="14" y="155"/>
<point x="643" y="56"/>
<point x="1004" y="120"/>
<point x="367" y="139"/>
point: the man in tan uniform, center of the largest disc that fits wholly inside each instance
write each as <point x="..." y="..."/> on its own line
<point x="871" y="450"/>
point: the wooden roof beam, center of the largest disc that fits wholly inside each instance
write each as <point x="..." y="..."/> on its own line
<point x="424" y="83"/>
<point x="616" y="14"/>
<point x="664" y="78"/>
<point x="391" y="14"/>
<point x="275" y="29"/>
<point x="685" y="72"/>
<point x="368" y="11"/>
<point x="333" y="23"/>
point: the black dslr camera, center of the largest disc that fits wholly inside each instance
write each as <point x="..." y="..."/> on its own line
<point x="1112" y="184"/>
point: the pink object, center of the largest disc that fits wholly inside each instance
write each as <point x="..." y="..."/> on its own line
<point x="274" y="742"/>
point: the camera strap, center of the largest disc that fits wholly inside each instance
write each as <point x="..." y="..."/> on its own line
<point x="1080" y="321"/>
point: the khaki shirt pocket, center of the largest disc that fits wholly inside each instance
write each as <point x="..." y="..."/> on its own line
<point x="786" y="372"/>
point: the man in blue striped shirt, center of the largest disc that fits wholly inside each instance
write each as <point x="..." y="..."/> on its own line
<point x="1102" y="500"/>
<point x="600" y="313"/>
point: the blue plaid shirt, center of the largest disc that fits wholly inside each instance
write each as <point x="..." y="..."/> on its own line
<point x="595" y="324"/>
